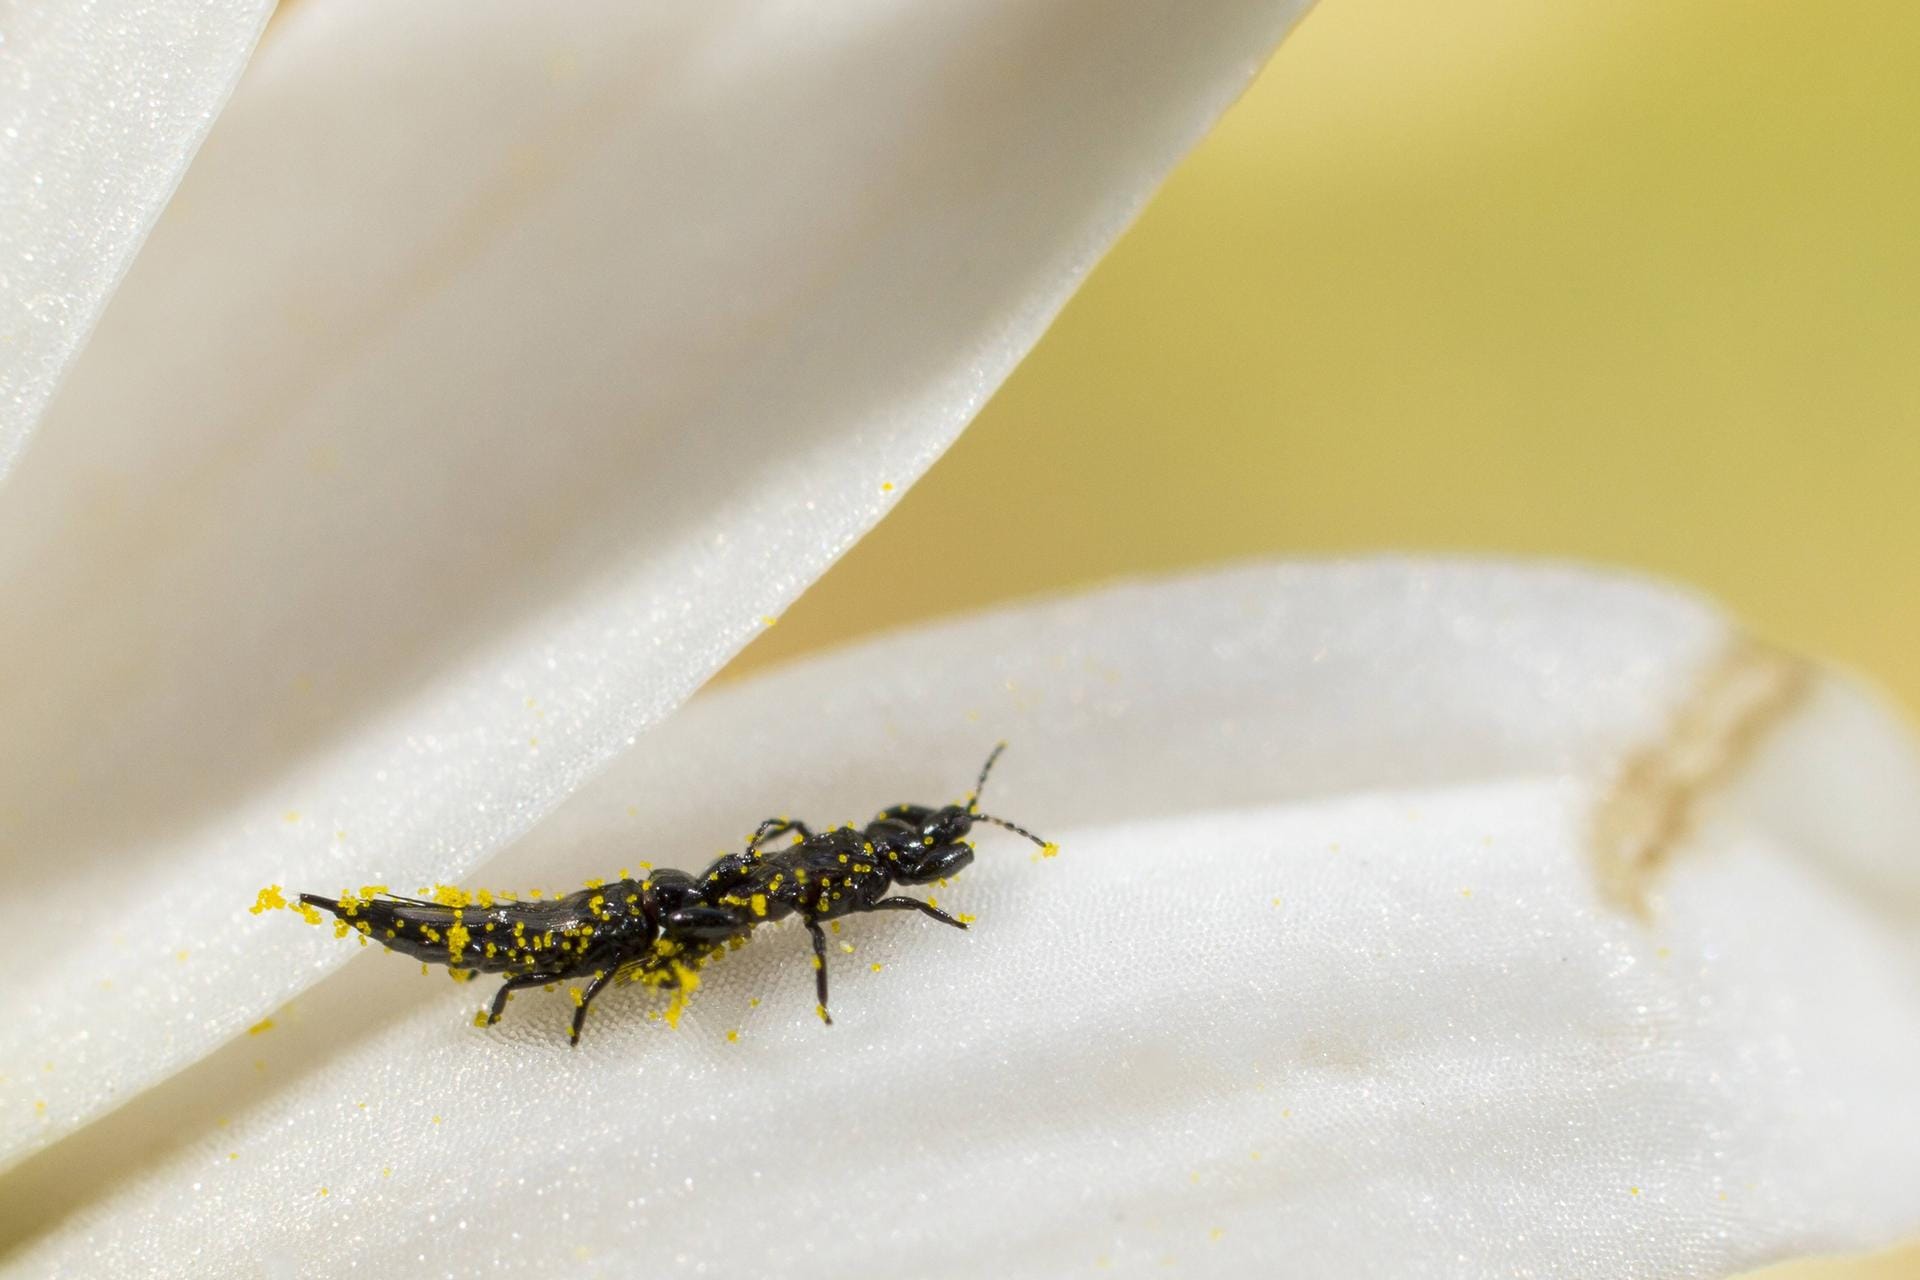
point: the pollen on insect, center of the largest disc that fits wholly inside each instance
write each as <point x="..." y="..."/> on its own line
<point x="660" y="931"/>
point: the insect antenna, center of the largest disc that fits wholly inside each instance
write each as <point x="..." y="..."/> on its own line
<point x="973" y="797"/>
<point x="1014" y="827"/>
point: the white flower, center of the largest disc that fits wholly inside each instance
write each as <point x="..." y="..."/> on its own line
<point x="497" y="371"/>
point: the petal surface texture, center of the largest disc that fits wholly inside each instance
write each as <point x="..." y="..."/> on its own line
<point x="101" y="107"/>
<point x="497" y="372"/>
<point x="1319" y="975"/>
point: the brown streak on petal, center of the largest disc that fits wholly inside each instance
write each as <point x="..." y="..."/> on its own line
<point x="1650" y="809"/>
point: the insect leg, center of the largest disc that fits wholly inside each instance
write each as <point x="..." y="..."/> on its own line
<point x="820" y="967"/>
<point x="777" y="827"/>
<point x="515" y="984"/>
<point x="901" y="902"/>
<point x="600" y="980"/>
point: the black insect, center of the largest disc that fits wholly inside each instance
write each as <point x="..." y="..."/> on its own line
<point x="661" y="929"/>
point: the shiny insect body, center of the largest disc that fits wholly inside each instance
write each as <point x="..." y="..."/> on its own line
<point x="660" y="930"/>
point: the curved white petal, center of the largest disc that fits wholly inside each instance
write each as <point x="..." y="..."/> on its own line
<point x="1320" y="975"/>
<point x="101" y="107"/>
<point x="498" y="368"/>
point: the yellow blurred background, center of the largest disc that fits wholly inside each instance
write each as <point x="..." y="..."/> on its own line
<point x="1631" y="281"/>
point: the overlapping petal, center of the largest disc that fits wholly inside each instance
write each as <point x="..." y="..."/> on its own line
<point x="497" y="372"/>
<point x="101" y="108"/>
<point x="1322" y="974"/>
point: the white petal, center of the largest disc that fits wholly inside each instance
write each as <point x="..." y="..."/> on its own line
<point x="101" y="107"/>
<point x="497" y="368"/>
<point x="1321" y="969"/>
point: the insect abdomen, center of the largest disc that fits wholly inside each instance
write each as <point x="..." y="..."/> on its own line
<point x="457" y="937"/>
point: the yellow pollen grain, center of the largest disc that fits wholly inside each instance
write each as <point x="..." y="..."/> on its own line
<point x="753" y="1002"/>
<point x="233" y="1155"/>
<point x="269" y="899"/>
<point x="324" y="1191"/>
<point x="759" y="903"/>
<point x="436" y="1119"/>
<point x="260" y="1027"/>
<point x="1216" y="1233"/>
<point x="964" y="918"/>
<point x="1049" y="850"/>
<point x="875" y="966"/>
<point x="688" y="982"/>
<point x="40" y="1106"/>
<point x="577" y="996"/>
<point x="308" y="912"/>
<point x="291" y="815"/>
<point x="768" y="620"/>
<point x="1633" y="1191"/>
<point x="181" y="956"/>
<point x="886" y="486"/>
<point x="847" y="947"/>
<point x="733" y="1037"/>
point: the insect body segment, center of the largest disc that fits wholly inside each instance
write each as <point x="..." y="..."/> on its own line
<point x="661" y="929"/>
